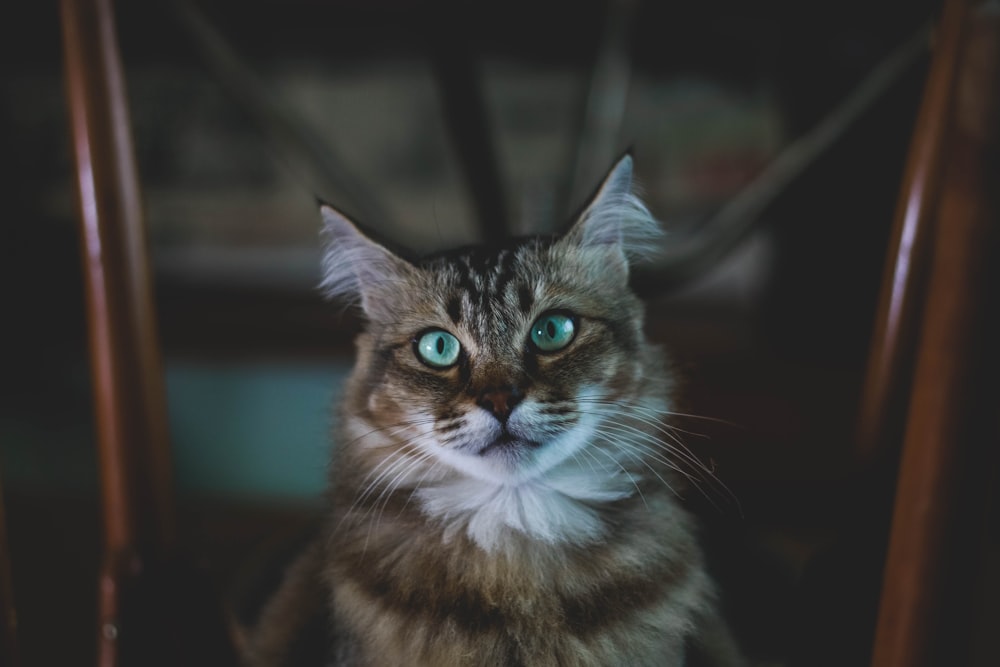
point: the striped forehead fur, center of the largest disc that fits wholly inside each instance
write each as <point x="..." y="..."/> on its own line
<point x="484" y="274"/>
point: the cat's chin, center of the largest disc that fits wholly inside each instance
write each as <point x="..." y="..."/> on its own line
<point x="516" y="452"/>
<point x="507" y="445"/>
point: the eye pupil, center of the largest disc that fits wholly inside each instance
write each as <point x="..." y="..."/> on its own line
<point x="552" y="332"/>
<point x="438" y="349"/>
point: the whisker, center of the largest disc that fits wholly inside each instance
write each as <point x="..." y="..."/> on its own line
<point x="389" y="462"/>
<point x="624" y="470"/>
<point x="618" y="437"/>
<point x="590" y="462"/>
<point x="672" y="413"/>
<point x="402" y="449"/>
<point x="611" y="440"/>
<point x="705" y="472"/>
<point x="398" y="460"/>
<point x="393" y="485"/>
<point x="399" y="468"/>
<point x="681" y="449"/>
<point x="692" y="480"/>
<point x="684" y="455"/>
<point x="416" y="487"/>
<point x="398" y="425"/>
<point x="386" y="467"/>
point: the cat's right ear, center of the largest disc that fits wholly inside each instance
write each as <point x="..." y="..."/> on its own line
<point x="357" y="268"/>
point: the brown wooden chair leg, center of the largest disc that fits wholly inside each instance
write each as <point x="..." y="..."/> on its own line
<point x="890" y="361"/>
<point x="152" y="608"/>
<point x="951" y="437"/>
<point x="922" y="281"/>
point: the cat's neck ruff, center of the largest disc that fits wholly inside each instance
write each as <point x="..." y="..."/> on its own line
<point x="558" y="507"/>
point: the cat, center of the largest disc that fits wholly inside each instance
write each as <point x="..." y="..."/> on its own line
<point x="504" y="485"/>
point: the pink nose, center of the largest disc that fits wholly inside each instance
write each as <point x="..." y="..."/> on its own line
<point x="500" y="401"/>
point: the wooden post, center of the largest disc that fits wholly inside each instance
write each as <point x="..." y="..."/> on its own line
<point x="890" y="359"/>
<point x="133" y="451"/>
<point x="949" y="454"/>
<point x="153" y="609"/>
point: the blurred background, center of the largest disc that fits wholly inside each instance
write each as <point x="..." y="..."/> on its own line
<point x="769" y="137"/>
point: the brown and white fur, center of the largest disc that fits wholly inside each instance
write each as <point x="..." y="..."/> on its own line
<point x="517" y="506"/>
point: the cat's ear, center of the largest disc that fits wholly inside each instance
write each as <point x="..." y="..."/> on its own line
<point x="357" y="268"/>
<point x="616" y="222"/>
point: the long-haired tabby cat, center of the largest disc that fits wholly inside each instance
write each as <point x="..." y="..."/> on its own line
<point x="503" y="489"/>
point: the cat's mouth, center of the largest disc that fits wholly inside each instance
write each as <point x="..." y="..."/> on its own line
<point x="507" y="442"/>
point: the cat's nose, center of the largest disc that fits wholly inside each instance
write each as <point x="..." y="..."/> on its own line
<point x="500" y="401"/>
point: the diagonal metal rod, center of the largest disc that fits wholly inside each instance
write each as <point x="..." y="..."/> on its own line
<point x="603" y="112"/>
<point x="723" y="232"/>
<point x="303" y="152"/>
<point x="467" y="120"/>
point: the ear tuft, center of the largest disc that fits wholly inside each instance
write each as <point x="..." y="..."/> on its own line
<point x="617" y="217"/>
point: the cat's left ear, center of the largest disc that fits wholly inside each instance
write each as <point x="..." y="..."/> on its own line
<point x="616" y="222"/>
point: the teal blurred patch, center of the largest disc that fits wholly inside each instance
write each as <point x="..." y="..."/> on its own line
<point x="253" y="429"/>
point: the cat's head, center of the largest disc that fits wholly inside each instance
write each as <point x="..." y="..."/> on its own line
<point x="501" y="364"/>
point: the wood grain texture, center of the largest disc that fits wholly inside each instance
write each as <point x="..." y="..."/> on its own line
<point x="152" y="606"/>
<point x="890" y="360"/>
<point x="951" y="432"/>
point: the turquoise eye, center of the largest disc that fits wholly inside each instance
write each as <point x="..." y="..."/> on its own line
<point x="437" y="348"/>
<point x="552" y="332"/>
